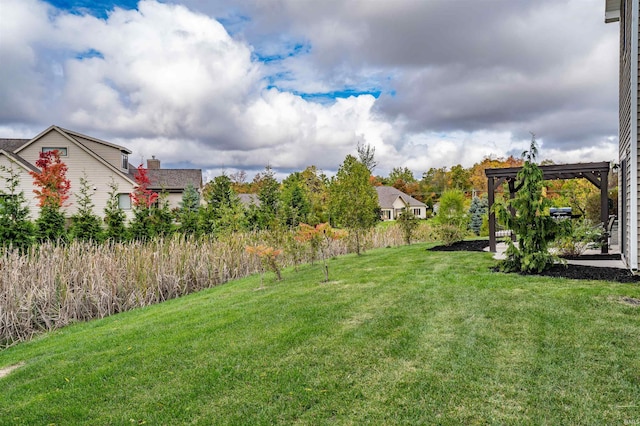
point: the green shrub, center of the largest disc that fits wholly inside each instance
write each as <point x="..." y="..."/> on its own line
<point x="450" y="234"/>
<point x="583" y="234"/>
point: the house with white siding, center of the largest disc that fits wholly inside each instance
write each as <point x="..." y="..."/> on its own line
<point x="627" y="13"/>
<point x="392" y="202"/>
<point x="101" y="161"/>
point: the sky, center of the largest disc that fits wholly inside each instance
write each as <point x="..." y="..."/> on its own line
<point x="227" y="85"/>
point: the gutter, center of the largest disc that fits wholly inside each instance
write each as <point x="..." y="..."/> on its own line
<point x="633" y="214"/>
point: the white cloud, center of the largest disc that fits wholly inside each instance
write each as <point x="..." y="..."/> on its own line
<point x="168" y="81"/>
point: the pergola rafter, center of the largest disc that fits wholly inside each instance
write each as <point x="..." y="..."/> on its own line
<point x="596" y="173"/>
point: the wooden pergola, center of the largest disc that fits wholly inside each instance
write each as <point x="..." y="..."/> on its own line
<point x="596" y="173"/>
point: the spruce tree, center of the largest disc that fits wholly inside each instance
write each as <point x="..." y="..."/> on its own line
<point x="188" y="212"/>
<point x="85" y="225"/>
<point x="16" y="229"/>
<point x="477" y="211"/>
<point x="114" y="216"/>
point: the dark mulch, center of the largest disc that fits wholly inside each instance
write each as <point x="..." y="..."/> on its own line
<point x="579" y="272"/>
<point x="471" y="245"/>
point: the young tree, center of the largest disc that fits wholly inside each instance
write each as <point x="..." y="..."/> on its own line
<point x="408" y="223"/>
<point x="353" y="201"/>
<point x="142" y="200"/>
<point x="85" y="225"/>
<point x="188" y="212"/>
<point x="52" y="194"/>
<point x="451" y="220"/>
<point x="319" y="238"/>
<point x="16" y="230"/>
<point x="535" y="229"/>
<point x="114" y="216"/>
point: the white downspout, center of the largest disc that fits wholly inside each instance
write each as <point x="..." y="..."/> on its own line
<point x="633" y="214"/>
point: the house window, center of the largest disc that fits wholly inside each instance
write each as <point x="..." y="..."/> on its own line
<point x="61" y="150"/>
<point x="124" y="201"/>
<point x="386" y="214"/>
<point x="125" y="161"/>
<point x="417" y="212"/>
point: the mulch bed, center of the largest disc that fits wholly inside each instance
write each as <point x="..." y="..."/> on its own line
<point x="579" y="272"/>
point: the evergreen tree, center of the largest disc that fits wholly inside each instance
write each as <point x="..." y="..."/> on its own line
<point x="477" y="212"/>
<point x="269" y="195"/>
<point x="85" y="225"/>
<point x="162" y="217"/>
<point x="188" y="212"/>
<point x="223" y="212"/>
<point x="353" y="201"/>
<point x="294" y="203"/>
<point x="16" y="230"/>
<point x="114" y="216"/>
<point x="535" y="229"/>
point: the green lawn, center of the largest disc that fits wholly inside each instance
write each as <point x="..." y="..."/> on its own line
<point x="401" y="336"/>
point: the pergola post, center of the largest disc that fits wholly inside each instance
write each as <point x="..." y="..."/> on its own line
<point x="512" y="195"/>
<point x="604" y="210"/>
<point x="492" y="216"/>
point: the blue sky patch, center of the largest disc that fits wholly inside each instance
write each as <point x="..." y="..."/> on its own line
<point x="88" y="54"/>
<point x="97" y="8"/>
<point x="335" y="94"/>
<point x="290" y="51"/>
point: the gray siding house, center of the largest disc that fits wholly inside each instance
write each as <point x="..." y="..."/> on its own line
<point x="102" y="161"/>
<point x="626" y="12"/>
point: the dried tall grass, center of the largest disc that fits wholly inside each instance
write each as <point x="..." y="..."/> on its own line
<point x="54" y="285"/>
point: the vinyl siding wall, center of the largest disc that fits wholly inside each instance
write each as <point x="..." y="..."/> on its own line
<point x="25" y="183"/>
<point x="625" y="99"/>
<point x="79" y="161"/>
<point x="110" y="154"/>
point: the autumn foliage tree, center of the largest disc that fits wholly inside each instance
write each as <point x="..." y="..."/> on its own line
<point x="52" y="192"/>
<point x="319" y="238"/>
<point x="142" y="200"/>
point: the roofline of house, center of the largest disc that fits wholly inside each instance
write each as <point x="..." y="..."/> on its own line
<point x="79" y="145"/>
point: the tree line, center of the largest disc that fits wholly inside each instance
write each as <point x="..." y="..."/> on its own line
<point x="347" y="200"/>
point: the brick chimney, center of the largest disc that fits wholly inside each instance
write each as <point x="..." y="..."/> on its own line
<point x="152" y="163"/>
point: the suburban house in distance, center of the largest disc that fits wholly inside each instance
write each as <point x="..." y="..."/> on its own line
<point x="393" y="201"/>
<point x="103" y="162"/>
<point x="627" y="13"/>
